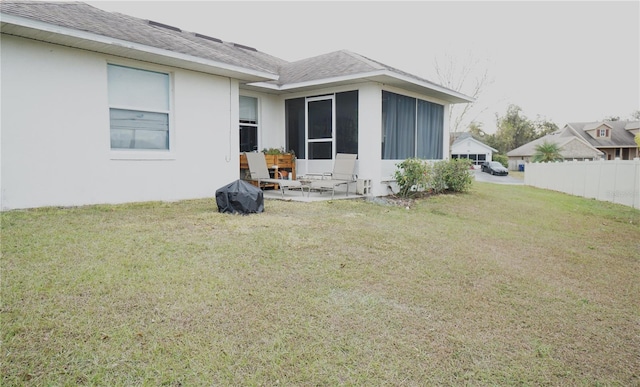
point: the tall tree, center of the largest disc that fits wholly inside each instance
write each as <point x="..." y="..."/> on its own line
<point x="543" y="127"/>
<point x="475" y="128"/>
<point x="514" y="130"/>
<point x="468" y="76"/>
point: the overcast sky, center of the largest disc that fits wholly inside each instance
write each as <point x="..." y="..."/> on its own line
<point x="562" y="61"/>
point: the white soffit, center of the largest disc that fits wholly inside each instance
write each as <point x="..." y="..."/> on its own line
<point x="384" y="77"/>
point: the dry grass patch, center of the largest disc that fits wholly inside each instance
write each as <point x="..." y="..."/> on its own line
<point x="505" y="285"/>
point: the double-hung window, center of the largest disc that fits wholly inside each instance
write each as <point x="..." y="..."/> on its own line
<point x="138" y="108"/>
<point x="248" y="124"/>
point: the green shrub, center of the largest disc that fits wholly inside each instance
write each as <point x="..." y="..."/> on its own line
<point x="411" y="176"/>
<point x="277" y="151"/>
<point x="502" y="159"/>
<point x="451" y="175"/>
<point x="415" y="175"/>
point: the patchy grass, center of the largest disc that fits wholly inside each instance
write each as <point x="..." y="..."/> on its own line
<point x="506" y="285"/>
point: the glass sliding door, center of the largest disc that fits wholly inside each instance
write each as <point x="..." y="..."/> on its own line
<point x="320" y="124"/>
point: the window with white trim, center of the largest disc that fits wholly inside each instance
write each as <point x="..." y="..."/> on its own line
<point x="319" y="127"/>
<point x="248" y="124"/>
<point x="602" y="133"/>
<point x="139" y="108"/>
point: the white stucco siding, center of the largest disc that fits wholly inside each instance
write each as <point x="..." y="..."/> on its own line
<point x="446" y="142"/>
<point x="55" y="144"/>
<point x="370" y="136"/>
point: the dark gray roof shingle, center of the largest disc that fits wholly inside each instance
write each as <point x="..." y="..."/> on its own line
<point x="83" y="17"/>
<point x="335" y="64"/>
<point x="620" y="137"/>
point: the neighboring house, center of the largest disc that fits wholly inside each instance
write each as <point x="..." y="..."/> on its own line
<point x="572" y="147"/>
<point x="100" y="107"/>
<point x="465" y="146"/>
<point x="614" y="138"/>
<point x="586" y="141"/>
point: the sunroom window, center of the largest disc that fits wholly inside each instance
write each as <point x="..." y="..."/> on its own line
<point x="138" y="108"/>
<point x="411" y="128"/>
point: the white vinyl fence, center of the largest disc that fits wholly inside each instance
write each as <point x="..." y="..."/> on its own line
<point x="616" y="181"/>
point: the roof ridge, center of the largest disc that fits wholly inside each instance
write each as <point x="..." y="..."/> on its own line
<point x="364" y="59"/>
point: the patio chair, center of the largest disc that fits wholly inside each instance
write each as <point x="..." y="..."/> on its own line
<point x="260" y="173"/>
<point x="343" y="174"/>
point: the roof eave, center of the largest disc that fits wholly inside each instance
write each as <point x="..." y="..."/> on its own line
<point x="384" y="77"/>
<point x="50" y="33"/>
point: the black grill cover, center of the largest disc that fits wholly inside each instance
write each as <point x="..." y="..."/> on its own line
<point x="240" y="197"/>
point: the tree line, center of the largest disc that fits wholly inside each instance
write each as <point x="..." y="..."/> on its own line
<point x="514" y="129"/>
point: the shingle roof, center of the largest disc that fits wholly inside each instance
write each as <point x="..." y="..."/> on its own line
<point x="462" y="136"/>
<point x="83" y="17"/>
<point x="594" y="125"/>
<point x="632" y="125"/>
<point x="529" y="148"/>
<point x="335" y="64"/>
<point x="620" y="137"/>
<point x="562" y="140"/>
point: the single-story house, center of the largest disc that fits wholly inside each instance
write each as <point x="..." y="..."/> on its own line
<point x="465" y="146"/>
<point x="572" y="147"/>
<point x="586" y="141"/>
<point x="101" y="107"/>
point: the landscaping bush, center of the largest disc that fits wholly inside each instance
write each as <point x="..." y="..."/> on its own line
<point x="412" y="176"/>
<point x="451" y="175"/>
<point x="415" y="175"/>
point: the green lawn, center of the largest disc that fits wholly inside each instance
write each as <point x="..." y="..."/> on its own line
<point x="505" y="285"/>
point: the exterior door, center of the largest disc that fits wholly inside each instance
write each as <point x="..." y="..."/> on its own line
<point x="320" y="124"/>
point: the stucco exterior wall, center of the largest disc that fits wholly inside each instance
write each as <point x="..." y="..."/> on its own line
<point x="55" y="146"/>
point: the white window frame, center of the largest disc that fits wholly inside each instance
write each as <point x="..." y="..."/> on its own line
<point x="256" y="125"/>
<point x="307" y="140"/>
<point x="144" y="154"/>
<point x="602" y="133"/>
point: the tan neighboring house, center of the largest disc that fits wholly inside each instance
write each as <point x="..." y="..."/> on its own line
<point x="572" y="147"/>
<point x="586" y="141"/>
<point x="614" y="138"/>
